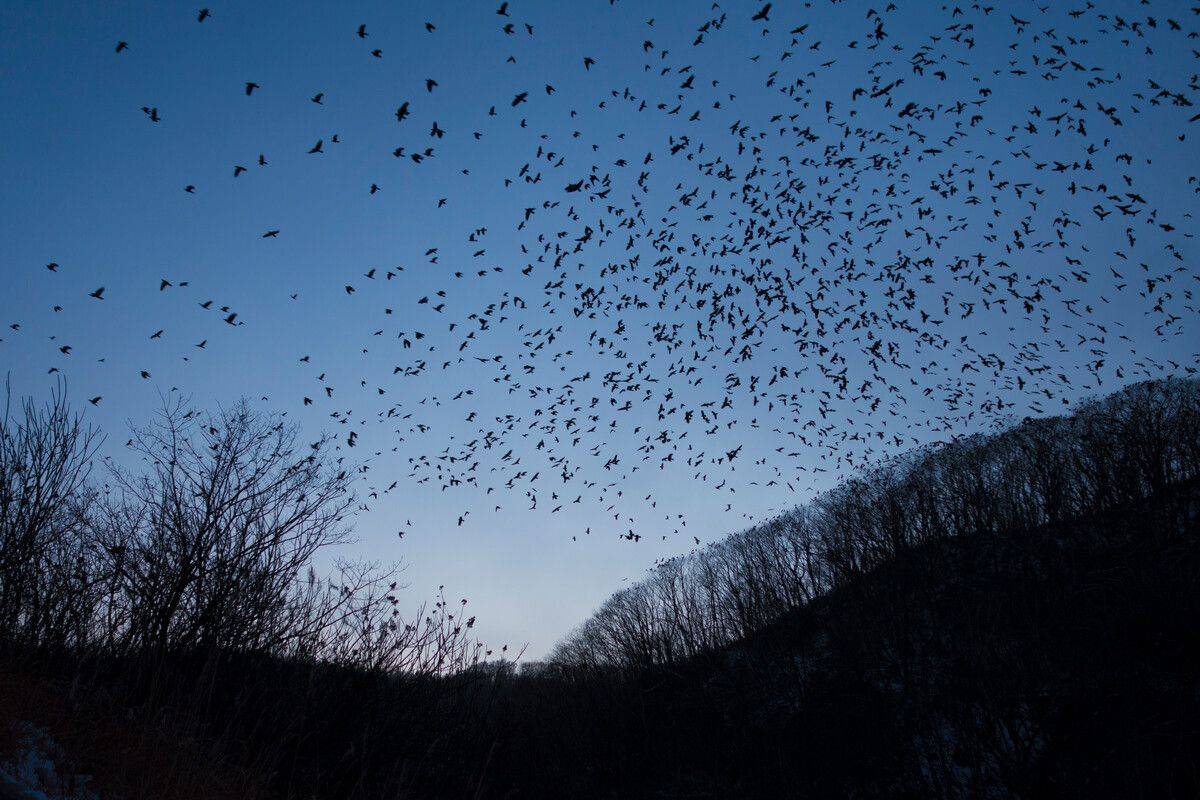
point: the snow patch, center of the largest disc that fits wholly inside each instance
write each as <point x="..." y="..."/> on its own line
<point x="33" y="772"/>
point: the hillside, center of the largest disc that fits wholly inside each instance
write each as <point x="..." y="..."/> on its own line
<point x="1054" y="662"/>
<point x="983" y="658"/>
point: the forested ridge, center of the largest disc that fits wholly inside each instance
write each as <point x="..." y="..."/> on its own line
<point x="1110" y="453"/>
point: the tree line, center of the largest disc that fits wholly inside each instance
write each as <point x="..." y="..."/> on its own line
<point x="207" y="537"/>
<point x="1109" y="453"/>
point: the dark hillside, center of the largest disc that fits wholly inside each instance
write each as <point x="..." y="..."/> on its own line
<point x="1003" y="616"/>
<point x="1055" y="662"/>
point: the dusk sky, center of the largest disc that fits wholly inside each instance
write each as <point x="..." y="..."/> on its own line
<point x="487" y="502"/>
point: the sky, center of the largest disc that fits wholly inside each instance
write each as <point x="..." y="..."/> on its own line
<point x="93" y="184"/>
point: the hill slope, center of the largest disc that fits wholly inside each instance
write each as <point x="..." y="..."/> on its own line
<point x="1054" y="662"/>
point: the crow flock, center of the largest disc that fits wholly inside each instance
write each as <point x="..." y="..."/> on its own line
<point x="808" y="237"/>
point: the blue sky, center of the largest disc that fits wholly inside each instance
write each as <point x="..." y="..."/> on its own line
<point x="92" y="184"/>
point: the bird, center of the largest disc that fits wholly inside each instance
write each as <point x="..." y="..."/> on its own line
<point x="250" y="87"/>
<point x="97" y="294"/>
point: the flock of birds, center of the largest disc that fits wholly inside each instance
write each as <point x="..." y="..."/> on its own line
<point x="843" y="276"/>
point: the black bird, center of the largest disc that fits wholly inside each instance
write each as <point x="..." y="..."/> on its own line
<point x="204" y="14"/>
<point x="98" y="294"/>
<point x="762" y="14"/>
<point x="250" y="87"/>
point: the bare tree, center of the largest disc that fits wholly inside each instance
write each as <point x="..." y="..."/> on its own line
<point x="45" y="460"/>
<point x="207" y="546"/>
